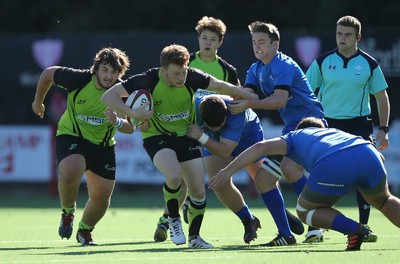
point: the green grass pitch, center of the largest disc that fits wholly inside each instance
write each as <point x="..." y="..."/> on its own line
<point x="29" y="223"/>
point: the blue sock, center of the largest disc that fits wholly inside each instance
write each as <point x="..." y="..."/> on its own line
<point x="299" y="185"/>
<point x="244" y="213"/>
<point x="274" y="201"/>
<point x="344" y="225"/>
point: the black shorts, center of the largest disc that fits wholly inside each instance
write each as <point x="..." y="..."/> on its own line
<point x="184" y="147"/>
<point x="359" y="126"/>
<point x="99" y="159"/>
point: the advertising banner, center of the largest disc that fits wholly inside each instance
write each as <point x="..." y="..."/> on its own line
<point x="26" y="153"/>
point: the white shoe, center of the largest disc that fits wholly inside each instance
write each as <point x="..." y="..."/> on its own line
<point x="198" y="242"/>
<point x="315" y="236"/>
<point x="175" y="231"/>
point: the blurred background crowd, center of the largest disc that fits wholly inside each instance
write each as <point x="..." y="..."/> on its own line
<point x="36" y="34"/>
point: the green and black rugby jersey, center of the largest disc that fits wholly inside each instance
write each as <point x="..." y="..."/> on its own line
<point x="218" y="68"/>
<point x="174" y="107"/>
<point x="84" y="116"/>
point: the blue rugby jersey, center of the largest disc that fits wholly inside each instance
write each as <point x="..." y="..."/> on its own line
<point x="283" y="70"/>
<point x="309" y="145"/>
<point x="244" y="128"/>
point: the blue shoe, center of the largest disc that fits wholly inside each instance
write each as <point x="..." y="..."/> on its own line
<point x="66" y="225"/>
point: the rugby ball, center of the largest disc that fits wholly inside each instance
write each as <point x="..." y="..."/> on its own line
<point x="137" y="99"/>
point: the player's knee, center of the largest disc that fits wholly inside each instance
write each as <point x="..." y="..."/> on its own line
<point x="291" y="171"/>
<point x="304" y="214"/>
<point x="285" y="167"/>
<point x="197" y="193"/>
<point x="265" y="183"/>
<point x="72" y="171"/>
<point x="173" y="181"/>
<point x="378" y="201"/>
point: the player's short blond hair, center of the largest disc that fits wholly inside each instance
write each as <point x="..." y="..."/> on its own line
<point x="174" y="54"/>
<point x="350" y="21"/>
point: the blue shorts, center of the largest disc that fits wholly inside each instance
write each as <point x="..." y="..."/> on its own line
<point x="357" y="167"/>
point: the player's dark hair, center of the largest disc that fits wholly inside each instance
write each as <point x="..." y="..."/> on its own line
<point x="267" y="28"/>
<point x="174" y="54"/>
<point x="114" y="57"/>
<point x="310" y="122"/>
<point x="213" y="24"/>
<point x="350" y="21"/>
<point x="213" y="111"/>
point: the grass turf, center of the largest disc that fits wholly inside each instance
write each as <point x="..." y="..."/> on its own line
<point x="29" y="222"/>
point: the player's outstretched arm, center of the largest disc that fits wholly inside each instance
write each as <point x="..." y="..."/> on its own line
<point x="274" y="146"/>
<point x="44" y="84"/>
<point x="230" y="89"/>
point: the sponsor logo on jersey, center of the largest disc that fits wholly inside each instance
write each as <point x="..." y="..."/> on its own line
<point x="81" y="101"/>
<point x="200" y="93"/>
<point x="92" y="119"/>
<point x="358" y="69"/>
<point x="174" y="117"/>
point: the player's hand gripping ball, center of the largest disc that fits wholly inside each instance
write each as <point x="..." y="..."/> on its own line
<point x="137" y="99"/>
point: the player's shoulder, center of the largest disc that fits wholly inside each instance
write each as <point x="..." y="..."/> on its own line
<point x="73" y="71"/>
<point x="324" y="56"/>
<point x="197" y="79"/>
<point x="282" y="59"/>
<point x="195" y="71"/>
<point x="225" y="64"/>
<point x="151" y="72"/>
<point x="283" y="63"/>
<point x="256" y="65"/>
<point x="371" y="60"/>
<point x="72" y="78"/>
<point x="145" y="80"/>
